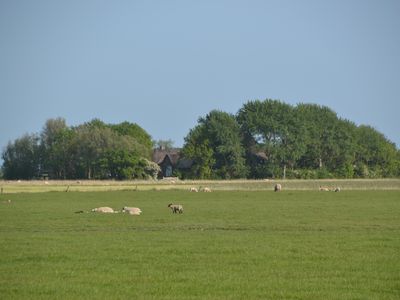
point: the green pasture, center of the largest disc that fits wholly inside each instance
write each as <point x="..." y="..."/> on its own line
<point x="240" y="244"/>
<point x="39" y="186"/>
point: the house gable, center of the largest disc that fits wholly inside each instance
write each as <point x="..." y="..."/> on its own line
<point x="170" y="160"/>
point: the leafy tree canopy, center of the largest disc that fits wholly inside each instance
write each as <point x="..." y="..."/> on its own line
<point x="215" y="146"/>
<point x="90" y="150"/>
<point x="265" y="138"/>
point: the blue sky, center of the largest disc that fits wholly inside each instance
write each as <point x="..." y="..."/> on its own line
<point x="164" y="64"/>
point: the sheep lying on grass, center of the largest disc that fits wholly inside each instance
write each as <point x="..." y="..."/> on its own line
<point x="327" y="189"/>
<point x="103" y="209"/>
<point x="278" y="187"/>
<point x="132" y="210"/>
<point x="176" y="208"/>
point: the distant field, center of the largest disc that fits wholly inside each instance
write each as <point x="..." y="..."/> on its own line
<point x="238" y="244"/>
<point x="221" y="185"/>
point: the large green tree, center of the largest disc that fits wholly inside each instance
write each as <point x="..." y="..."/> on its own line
<point x="320" y="124"/>
<point x="112" y="150"/>
<point x="215" y="147"/>
<point x="21" y="158"/>
<point x="329" y="140"/>
<point x="197" y="149"/>
<point x="140" y="137"/>
<point x="55" y="149"/>
<point x="376" y="156"/>
<point x="273" y="128"/>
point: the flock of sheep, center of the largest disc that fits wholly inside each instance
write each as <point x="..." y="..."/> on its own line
<point x="278" y="188"/>
<point x="205" y="189"/>
<point x="105" y="209"/>
<point x="178" y="208"/>
<point x="135" y="211"/>
<point x="327" y="189"/>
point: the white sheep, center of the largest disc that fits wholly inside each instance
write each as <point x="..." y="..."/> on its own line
<point x="132" y="210"/>
<point x="176" y="208"/>
<point x="278" y="187"/>
<point x="103" y="209"/>
<point x="193" y="189"/>
<point x="207" y="190"/>
<point x="337" y="189"/>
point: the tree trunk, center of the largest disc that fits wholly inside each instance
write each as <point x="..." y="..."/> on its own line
<point x="284" y="171"/>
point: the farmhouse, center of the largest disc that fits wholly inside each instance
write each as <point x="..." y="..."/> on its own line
<point x="170" y="160"/>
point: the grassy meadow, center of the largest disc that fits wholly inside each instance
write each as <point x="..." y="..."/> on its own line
<point x="240" y="244"/>
<point x="38" y="186"/>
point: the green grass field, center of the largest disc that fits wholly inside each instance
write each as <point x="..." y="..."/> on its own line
<point x="38" y="186"/>
<point x="226" y="245"/>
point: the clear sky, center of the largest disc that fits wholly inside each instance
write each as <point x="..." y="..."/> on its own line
<point x="163" y="64"/>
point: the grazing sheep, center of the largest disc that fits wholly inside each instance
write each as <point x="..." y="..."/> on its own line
<point x="337" y="189"/>
<point x="278" y="187"/>
<point x="132" y="210"/>
<point x="176" y="208"/>
<point x="193" y="189"/>
<point x="324" y="188"/>
<point x="207" y="190"/>
<point x="103" y="209"/>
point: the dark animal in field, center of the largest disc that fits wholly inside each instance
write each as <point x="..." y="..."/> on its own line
<point x="176" y="208"/>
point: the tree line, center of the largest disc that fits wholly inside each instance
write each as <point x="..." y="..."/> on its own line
<point x="272" y="139"/>
<point x="264" y="139"/>
<point x="93" y="150"/>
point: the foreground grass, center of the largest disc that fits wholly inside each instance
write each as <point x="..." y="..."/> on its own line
<point x="227" y="245"/>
